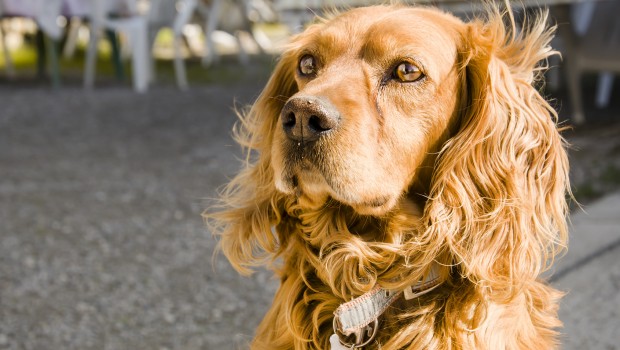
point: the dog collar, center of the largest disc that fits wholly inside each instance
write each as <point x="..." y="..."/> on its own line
<point x="356" y="322"/>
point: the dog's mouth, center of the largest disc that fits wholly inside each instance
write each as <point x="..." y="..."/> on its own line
<point x="312" y="177"/>
<point x="302" y="173"/>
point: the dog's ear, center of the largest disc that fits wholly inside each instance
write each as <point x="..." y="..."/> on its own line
<point x="249" y="205"/>
<point x="498" y="196"/>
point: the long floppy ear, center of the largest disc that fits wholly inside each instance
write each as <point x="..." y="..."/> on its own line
<point x="498" y="196"/>
<point x="248" y="205"/>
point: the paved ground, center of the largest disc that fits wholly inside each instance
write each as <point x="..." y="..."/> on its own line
<point x="590" y="274"/>
<point x="102" y="245"/>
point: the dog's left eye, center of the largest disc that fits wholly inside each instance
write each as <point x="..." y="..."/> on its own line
<point x="407" y="72"/>
<point x="307" y="65"/>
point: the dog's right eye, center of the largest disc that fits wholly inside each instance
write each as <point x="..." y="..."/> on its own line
<point x="407" y="72"/>
<point x="307" y="65"/>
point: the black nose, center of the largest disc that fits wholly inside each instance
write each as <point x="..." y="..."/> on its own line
<point x="304" y="119"/>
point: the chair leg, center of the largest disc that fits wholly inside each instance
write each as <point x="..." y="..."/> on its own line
<point x="243" y="55"/>
<point x="210" y="26"/>
<point x="179" y="64"/>
<point x="182" y="19"/>
<point x="603" y="90"/>
<point x="72" y="37"/>
<point x="262" y="40"/>
<point x="54" y="64"/>
<point x="210" y="56"/>
<point x="41" y="54"/>
<point x="91" y="58"/>
<point x="574" y="89"/>
<point x="553" y="75"/>
<point x="8" y="62"/>
<point x="140" y="59"/>
<point x="116" y="54"/>
<point x="152" y="37"/>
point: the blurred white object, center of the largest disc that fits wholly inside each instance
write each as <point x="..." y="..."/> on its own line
<point x="211" y="13"/>
<point x="45" y="13"/>
<point x="581" y="16"/>
<point x="593" y="44"/>
<point x="76" y="10"/>
<point x="8" y="62"/>
<point x="174" y="14"/>
<point x="235" y="17"/>
<point x="79" y="8"/>
<point x="296" y="13"/>
<point x="127" y="21"/>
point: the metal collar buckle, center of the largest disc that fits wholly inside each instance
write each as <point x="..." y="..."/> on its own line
<point x="356" y="322"/>
<point x="361" y="337"/>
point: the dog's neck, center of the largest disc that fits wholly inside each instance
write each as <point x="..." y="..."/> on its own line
<point x="346" y="251"/>
<point x="320" y="224"/>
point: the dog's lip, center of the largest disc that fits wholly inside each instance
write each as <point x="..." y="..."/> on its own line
<point x="375" y="206"/>
<point x="303" y="163"/>
<point x="297" y="184"/>
<point x="376" y="202"/>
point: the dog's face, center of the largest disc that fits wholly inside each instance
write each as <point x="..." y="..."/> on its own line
<point x="377" y="94"/>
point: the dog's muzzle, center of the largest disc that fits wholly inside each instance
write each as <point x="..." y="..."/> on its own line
<point x="306" y="118"/>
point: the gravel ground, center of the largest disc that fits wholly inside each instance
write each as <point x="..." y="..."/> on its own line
<point x="101" y="241"/>
<point x="102" y="245"/>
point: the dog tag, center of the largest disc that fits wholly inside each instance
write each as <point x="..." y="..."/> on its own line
<point x="334" y="341"/>
<point x="362" y="337"/>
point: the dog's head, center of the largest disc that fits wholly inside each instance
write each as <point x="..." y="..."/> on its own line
<point x="389" y="104"/>
<point x="376" y="93"/>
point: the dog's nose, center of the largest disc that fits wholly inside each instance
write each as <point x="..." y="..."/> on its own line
<point x="304" y="119"/>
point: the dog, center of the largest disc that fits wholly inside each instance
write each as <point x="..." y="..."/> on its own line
<point x="401" y="149"/>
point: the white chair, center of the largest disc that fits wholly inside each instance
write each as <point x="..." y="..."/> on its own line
<point x="76" y="11"/>
<point x="174" y="14"/>
<point x="233" y="17"/>
<point x="178" y="13"/>
<point x="130" y="23"/>
<point x="595" y="49"/>
<point x="296" y="13"/>
<point x="211" y="13"/>
<point x="45" y="13"/>
<point x="8" y="62"/>
<point x="210" y="10"/>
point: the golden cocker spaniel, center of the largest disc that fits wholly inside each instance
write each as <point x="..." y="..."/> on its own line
<point x="402" y="149"/>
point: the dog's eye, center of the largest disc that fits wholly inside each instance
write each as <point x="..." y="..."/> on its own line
<point x="307" y="65"/>
<point x="407" y="72"/>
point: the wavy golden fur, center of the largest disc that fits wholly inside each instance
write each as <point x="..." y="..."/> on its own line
<point x="463" y="167"/>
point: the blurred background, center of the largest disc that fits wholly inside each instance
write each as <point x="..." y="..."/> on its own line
<point x="115" y="120"/>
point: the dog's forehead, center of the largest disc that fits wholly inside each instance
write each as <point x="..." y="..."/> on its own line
<point x="413" y="26"/>
<point x="412" y="17"/>
<point x="375" y="32"/>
